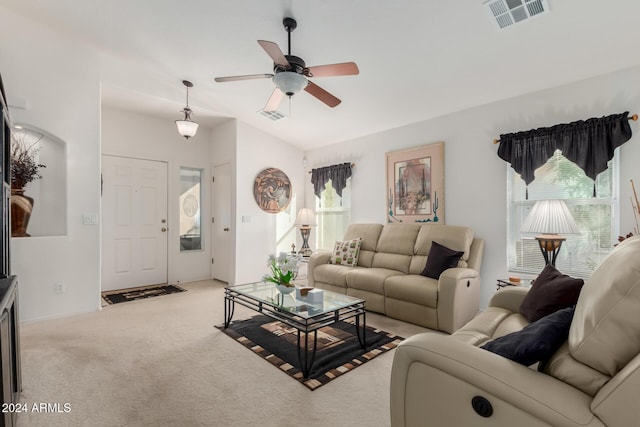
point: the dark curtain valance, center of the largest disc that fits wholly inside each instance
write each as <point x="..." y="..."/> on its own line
<point x="338" y="174"/>
<point x="588" y="143"/>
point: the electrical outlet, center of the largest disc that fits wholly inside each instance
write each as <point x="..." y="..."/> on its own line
<point x="58" y="287"/>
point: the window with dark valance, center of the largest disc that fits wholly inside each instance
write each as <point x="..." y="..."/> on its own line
<point x="588" y="143"/>
<point x="338" y="174"/>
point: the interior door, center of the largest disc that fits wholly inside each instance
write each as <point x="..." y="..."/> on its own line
<point x="222" y="235"/>
<point x="134" y="222"/>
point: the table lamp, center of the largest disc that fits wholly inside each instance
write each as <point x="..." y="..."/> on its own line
<point x="305" y="220"/>
<point x="551" y="218"/>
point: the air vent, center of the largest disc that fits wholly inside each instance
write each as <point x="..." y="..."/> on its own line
<point x="508" y="12"/>
<point x="272" y="115"/>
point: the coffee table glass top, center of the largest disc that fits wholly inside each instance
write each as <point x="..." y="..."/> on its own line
<point x="268" y="294"/>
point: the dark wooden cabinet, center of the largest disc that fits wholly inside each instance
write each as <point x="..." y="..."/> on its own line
<point x="11" y="382"/>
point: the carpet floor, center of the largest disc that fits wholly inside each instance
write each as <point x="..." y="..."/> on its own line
<point x="338" y="352"/>
<point x="162" y="362"/>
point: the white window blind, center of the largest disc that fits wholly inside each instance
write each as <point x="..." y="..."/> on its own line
<point x="333" y="214"/>
<point x="560" y="178"/>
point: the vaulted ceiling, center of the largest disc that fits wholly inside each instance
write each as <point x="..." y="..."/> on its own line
<point x="418" y="59"/>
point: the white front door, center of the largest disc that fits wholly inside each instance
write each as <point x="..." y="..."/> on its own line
<point x="134" y="222"/>
<point x="222" y="239"/>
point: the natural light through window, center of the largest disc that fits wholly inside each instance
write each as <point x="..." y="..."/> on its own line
<point x="334" y="215"/>
<point x="560" y="178"/>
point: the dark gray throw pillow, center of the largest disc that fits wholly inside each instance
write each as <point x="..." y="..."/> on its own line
<point x="536" y="342"/>
<point x="550" y="292"/>
<point x="439" y="259"/>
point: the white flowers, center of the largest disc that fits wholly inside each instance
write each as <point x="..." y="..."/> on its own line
<point x="284" y="268"/>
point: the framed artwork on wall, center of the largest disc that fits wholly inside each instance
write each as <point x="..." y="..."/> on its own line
<point x="272" y="190"/>
<point x="415" y="184"/>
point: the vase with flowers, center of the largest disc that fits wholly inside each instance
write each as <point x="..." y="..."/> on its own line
<point x="24" y="169"/>
<point x="284" y="269"/>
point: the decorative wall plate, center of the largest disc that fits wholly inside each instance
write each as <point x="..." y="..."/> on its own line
<point x="272" y="190"/>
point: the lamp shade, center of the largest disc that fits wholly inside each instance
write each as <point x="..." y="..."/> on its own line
<point x="550" y="217"/>
<point x="187" y="128"/>
<point x="306" y="218"/>
<point x="290" y="82"/>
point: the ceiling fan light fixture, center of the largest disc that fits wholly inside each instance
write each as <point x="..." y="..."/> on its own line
<point x="187" y="127"/>
<point x="290" y="82"/>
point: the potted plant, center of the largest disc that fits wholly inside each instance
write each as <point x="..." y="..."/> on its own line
<point x="24" y="169"/>
<point x="284" y="268"/>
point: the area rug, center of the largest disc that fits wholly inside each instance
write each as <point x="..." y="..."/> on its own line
<point x="338" y="349"/>
<point x="124" y="295"/>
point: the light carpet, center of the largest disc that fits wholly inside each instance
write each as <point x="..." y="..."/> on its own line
<point x="161" y="361"/>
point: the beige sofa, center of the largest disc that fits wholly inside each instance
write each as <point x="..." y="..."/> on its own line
<point x="592" y="380"/>
<point x="387" y="275"/>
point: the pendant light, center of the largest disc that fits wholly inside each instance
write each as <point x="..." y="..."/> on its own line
<point x="187" y="127"/>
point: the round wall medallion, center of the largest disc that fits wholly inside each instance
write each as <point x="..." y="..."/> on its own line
<point x="190" y="205"/>
<point x="272" y="190"/>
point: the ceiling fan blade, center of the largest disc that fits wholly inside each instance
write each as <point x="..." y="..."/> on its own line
<point x="247" y="77"/>
<point x="273" y="50"/>
<point x="274" y="100"/>
<point x="322" y="95"/>
<point x="329" y="70"/>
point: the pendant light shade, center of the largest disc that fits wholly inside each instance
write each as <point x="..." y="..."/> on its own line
<point x="187" y="127"/>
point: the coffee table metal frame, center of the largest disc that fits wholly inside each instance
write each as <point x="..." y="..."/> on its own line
<point x="303" y="323"/>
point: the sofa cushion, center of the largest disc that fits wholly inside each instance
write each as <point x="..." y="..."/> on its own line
<point x="536" y="342"/>
<point x="398" y="239"/>
<point x="550" y="292"/>
<point x="346" y="252"/>
<point x="413" y="288"/>
<point x="452" y="236"/>
<point x="369" y="279"/>
<point x="605" y="333"/>
<point x="332" y="274"/>
<point x="490" y="323"/>
<point x="440" y="259"/>
<point x="369" y="233"/>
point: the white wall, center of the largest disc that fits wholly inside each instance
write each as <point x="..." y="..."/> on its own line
<point x="475" y="178"/>
<point x="265" y="233"/>
<point x="139" y="136"/>
<point x="60" y="82"/>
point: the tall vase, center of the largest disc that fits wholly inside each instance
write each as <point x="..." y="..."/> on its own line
<point x="21" y="208"/>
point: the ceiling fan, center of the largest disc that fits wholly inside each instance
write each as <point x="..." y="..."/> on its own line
<point x="291" y="75"/>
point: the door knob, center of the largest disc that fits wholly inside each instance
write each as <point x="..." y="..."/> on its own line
<point x="226" y="229"/>
<point x="163" y="229"/>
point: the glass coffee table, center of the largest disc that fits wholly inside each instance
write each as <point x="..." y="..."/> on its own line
<point x="303" y="314"/>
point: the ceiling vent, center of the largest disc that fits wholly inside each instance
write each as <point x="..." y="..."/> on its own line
<point x="272" y="115"/>
<point x="508" y="12"/>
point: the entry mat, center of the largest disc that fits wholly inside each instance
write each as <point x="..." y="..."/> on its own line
<point x="124" y="295"/>
<point x="338" y="349"/>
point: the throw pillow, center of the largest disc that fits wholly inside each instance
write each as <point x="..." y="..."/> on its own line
<point x="347" y="252"/>
<point x="550" y="292"/>
<point x="537" y="341"/>
<point x="439" y="259"/>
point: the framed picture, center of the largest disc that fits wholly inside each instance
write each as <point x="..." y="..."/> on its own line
<point x="415" y="184"/>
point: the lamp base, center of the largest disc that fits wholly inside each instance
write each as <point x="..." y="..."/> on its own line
<point x="550" y="246"/>
<point x="305" y="251"/>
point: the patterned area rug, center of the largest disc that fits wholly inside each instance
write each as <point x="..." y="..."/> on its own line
<point x="338" y="349"/>
<point x="115" y="297"/>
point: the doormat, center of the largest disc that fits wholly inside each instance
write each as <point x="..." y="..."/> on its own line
<point x="338" y="350"/>
<point x="124" y="295"/>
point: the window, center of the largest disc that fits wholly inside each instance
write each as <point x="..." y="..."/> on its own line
<point x="190" y="197"/>
<point x="333" y="214"/>
<point x="560" y="178"/>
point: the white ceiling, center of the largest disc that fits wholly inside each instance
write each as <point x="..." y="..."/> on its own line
<point x="418" y="59"/>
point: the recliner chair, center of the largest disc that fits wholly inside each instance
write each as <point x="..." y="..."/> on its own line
<point x="592" y="380"/>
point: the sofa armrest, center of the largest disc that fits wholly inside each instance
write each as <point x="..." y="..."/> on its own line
<point x="509" y="298"/>
<point x="435" y="377"/>
<point x="316" y="258"/>
<point x="458" y="298"/>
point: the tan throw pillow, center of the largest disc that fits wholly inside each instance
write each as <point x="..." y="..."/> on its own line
<point x="346" y="253"/>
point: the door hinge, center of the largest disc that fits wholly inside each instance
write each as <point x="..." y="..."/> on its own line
<point x="213" y="179"/>
<point x="211" y="260"/>
<point x="213" y="220"/>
